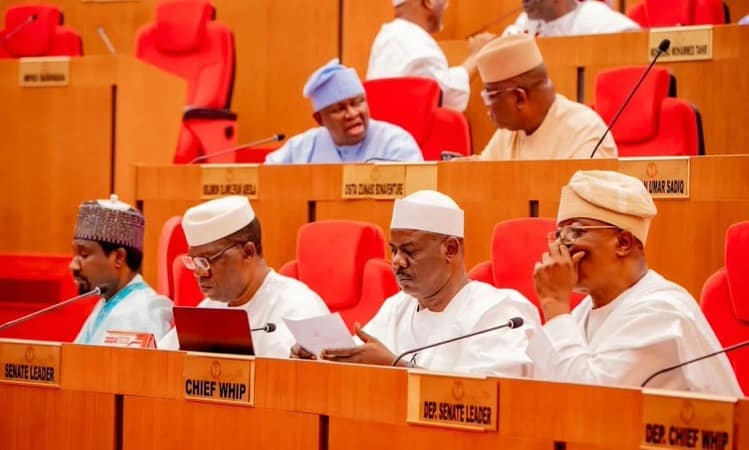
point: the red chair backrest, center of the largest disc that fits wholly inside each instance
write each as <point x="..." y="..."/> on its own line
<point x="172" y="242"/>
<point x="37" y="30"/>
<point x="668" y="13"/>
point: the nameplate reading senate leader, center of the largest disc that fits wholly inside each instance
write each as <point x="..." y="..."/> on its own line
<point x="683" y="420"/>
<point x="29" y="362"/>
<point x="219" y="378"/>
<point x="452" y="401"/>
<point x="220" y="180"/>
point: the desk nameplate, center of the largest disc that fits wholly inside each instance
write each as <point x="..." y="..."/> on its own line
<point x="27" y="362"/>
<point x="387" y="181"/>
<point x="220" y="180"/>
<point x="219" y="378"/>
<point x="666" y="178"/>
<point x="693" y="43"/>
<point x="452" y="401"/>
<point x="682" y="420"/>
<point x="47" y="71"/>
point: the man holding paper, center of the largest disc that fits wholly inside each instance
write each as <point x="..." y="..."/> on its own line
<point x="226" y="256"/>
<point x="439" y="302"/>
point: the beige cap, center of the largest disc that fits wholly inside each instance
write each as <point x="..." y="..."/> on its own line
<point x="428" y="211"/>
<point x="507" y="57"/>
<point x="216" y="219"/>
<point x="610" y="197"/>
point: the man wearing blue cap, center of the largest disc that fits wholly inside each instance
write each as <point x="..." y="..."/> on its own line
<point x="346" y="134"/>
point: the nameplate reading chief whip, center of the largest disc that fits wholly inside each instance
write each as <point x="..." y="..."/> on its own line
<point x="30" y="362"/>
<point x="219" y="378"/>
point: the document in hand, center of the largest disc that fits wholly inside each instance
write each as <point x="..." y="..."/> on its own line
<point x="321" y="332"/>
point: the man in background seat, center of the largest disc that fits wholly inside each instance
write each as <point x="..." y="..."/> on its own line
<point x="549" y="18"/>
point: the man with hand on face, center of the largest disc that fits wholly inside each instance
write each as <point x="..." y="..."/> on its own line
<point x="346" y="134"/>
<point x="107" y="252"/>
<point x="633" y="322"/>
<point x="569" y="18"/>
<point x="439" y="302"/>
<point x="405" y="48"/>
<point x="226" y="255"/>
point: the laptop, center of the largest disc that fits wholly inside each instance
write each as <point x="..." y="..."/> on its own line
<point x="213" y="330"/>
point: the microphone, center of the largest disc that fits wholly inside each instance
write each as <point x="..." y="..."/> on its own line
<point x="275" y="138"/>
<point x="496" y="21"/>
<point x="29" y="20"/>
<point x="662" y="48"/>
<point x="105" y="38"/>
<point x="515" y="322"/>
<point x="710" y="355"/>
<point x="269" y="327"/>
<point x="20" y="320"/>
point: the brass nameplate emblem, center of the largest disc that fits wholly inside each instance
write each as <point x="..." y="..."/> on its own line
<point x="29" y="362"/>
<point x="219" y="180"/>
<point x="452" y="401"/>
<point x="662" y="177"/>
<point x="379" y="181"/>
<point x="44" y="71"/>
<point x="694" y="43"/>
<point x="682" y="420"/>
<point x="219" y="378"/>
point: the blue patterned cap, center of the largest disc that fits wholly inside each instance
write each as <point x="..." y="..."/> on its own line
<point x="331" y="84"/>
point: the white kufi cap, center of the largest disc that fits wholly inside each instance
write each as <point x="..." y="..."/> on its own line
<point x="428" y="211"/>
<point x="216" y="219"/>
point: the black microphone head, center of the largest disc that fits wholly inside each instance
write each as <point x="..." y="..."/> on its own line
<point x="280" y="137"/>
<point x="270" y="327"/>
<point x="515" y="322"/>
<point x="664" y="45"/>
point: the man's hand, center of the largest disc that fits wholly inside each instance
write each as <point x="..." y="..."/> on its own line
<point x="477" y="42"/>
<point x="554" y="277"/>
<point x="372" y="352"/>
<point x="299" y="352"/>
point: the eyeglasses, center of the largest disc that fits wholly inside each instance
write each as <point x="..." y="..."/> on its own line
<point x="203" y="264"/>
<point x="567" y="235"/>
<point x="488" y="96"/>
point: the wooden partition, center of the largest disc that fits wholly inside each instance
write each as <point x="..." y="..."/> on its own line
<point x="488" y="192"/>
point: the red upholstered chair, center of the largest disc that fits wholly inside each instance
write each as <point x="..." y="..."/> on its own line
<point x="669" y="13"/>
<point x="186" y="40"/>
<point x="37" y="30"/>
<point x="725" y="300"/>
<point x="172" y="242"/>
<point x="186" y="289"/>
<point x="653" y="124"/>
<point x="516" y="247"/>
<point x="414" y="105"/>
<point x="30" y="282"/>
<point x="343" y="261"/>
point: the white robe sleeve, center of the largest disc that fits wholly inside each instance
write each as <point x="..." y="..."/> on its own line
<point x="454" y="81"/>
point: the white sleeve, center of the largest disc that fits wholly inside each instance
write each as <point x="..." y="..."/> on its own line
<point x="281" y="156"/>
<point x="454" y="81"/>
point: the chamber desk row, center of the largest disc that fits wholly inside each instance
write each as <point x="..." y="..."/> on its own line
<point x="80" y="397"/>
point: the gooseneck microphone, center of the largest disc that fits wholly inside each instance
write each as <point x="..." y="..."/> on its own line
<point x="662" y="48"/>
<point x="685" y="363"/>
<point x="515" y="322"/>
<point x="41" y="312"/>
<point x="275" y="138"/>
<point x="105" y="39"/>
<point x="269" y="327"/>
<point x="29" y="20"/>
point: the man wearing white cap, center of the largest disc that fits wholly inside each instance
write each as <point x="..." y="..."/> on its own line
<point x="533" y="121"/>
<point x="107" y="253"/>
<point x="226" y="255"/>
<point x="569" y="18"/>
<point x="439" y="302"/>
<point x="346" y="134"/>
<point x="634" y="322"/>
<point x="405" y="48"/>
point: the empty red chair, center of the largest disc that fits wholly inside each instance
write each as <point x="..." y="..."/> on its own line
<point x="186" y="40"/>
<point x="414" y="105"/>
<point x="37" y="30"/>
<point x="653" y="124"/>
<point x="186" y="288"/>
<point x="725" y="300"/>
<point x="172" y="242"/>
<point x="669" y="13"/>
<point x="343" y="261"/>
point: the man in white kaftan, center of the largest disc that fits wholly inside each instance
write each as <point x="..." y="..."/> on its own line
<point x="544" y="18"/>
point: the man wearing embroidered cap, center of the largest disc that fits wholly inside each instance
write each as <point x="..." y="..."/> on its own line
<point x="532" y="120"/>
<point x="633" y="322"/>
<point x="439" y="302"/>
<point x="226" y="256"/>
<point x="346" y="134"/>
<point x="108" y="251"/>
<point x="405" y="48"/>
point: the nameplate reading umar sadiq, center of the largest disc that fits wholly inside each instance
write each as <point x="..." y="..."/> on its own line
<point x="29" y="362"/>
<point x="220" y="180"/>
<point x="681" y="420"/>
<point x="662" y="177"/>
<point x="219" y="378"/>
<point x="387" y="181"/>
<point x="693" y="43"/>
<point x="44" y="71"/>
<point x="451" y="401"/>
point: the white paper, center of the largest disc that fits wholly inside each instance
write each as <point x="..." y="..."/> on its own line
<point x="321" y="332"/>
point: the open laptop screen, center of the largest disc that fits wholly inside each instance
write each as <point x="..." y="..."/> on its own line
<point x="214" y="330"/>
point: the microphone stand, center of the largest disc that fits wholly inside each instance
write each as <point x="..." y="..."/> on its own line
<point x="20" y="320"/>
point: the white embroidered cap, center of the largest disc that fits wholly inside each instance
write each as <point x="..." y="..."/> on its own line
<point x="428" y="211"/>
<point x="216" y="219"/>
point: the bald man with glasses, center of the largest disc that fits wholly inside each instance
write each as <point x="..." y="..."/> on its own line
<point x="226" y="255"/>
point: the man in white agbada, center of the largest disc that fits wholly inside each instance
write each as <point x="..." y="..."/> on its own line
<point x="226" y="255"/>
<point x="550" y="18"/>
<point x="439" y="302"/>
<point x="107" y="252"/>
<point x="405" y="48"/>
<point x="346" y="132"/>
<point x="634" y="322"/>
<point x="533" y="121"/>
